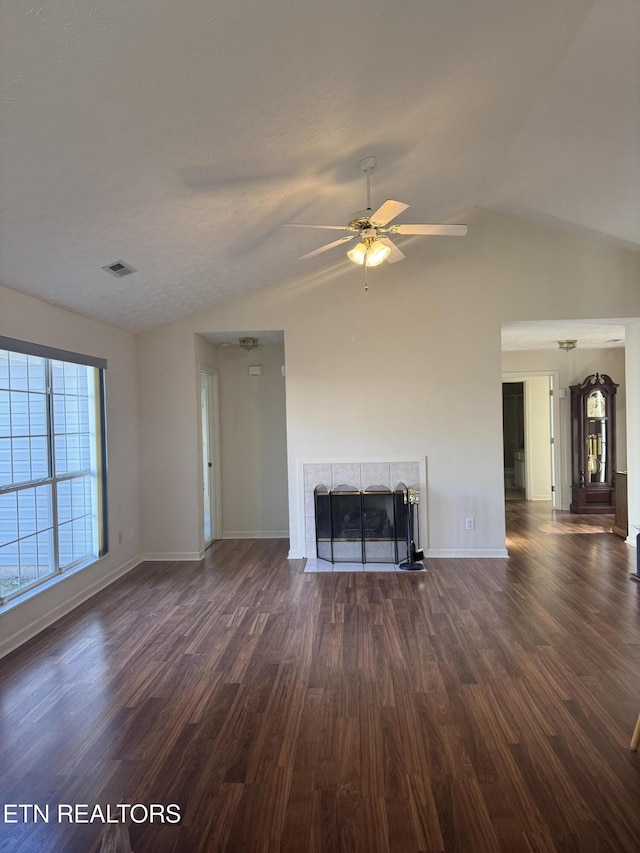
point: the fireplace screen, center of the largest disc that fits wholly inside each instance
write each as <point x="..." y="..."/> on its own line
<point x="374" y="525"/>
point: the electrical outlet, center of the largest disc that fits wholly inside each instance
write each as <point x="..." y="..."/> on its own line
<point x="469" y="524"/>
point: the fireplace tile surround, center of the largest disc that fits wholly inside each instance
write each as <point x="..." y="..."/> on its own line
<point x="360" y="475"/>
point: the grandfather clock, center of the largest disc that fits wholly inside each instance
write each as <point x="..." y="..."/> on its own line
<point x="593" y="444"/>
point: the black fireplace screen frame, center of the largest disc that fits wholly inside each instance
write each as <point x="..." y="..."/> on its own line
<point x="372" y="525"/>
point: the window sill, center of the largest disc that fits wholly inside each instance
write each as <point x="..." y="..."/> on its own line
<point x="34" y="592"/>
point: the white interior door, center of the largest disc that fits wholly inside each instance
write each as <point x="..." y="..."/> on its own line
<point x="210" y="455"/>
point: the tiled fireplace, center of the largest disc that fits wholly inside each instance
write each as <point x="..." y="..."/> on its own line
<point x="358" y="475"/>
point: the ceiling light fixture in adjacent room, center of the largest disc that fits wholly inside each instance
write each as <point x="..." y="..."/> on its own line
<point x="568" y="344"/>
<point x="248" y="343"/>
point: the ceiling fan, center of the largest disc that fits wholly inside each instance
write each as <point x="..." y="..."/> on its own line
<point x="372" y="227"/>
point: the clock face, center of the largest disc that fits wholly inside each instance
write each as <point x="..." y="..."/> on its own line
<point x="596" y="405"/>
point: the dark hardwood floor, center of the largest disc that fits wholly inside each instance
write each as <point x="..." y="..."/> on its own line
<point x="485" y="705"/>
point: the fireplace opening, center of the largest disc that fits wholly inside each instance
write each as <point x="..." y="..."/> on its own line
<point x="372" y="525"/>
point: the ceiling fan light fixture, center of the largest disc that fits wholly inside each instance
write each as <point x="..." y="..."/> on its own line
<point x="358" y="254"/>
<point x="377" y="252"/>
<point x="371" y="253"/>
<point x="368" y="225"/>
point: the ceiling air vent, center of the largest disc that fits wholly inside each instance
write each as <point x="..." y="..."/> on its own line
<point x="119" y="269"/>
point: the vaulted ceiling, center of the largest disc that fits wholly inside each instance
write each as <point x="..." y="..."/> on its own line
<point x="180" y="137"/>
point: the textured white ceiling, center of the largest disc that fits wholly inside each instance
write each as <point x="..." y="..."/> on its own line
<point x="179" y="137"/>
<point x="545" y="334"/>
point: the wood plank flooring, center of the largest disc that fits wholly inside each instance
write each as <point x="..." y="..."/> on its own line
<point x="485" y="705"/>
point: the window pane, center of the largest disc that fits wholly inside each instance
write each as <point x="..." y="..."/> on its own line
<point x="61" y="454"/>
<point x="83" y="379"/>
<point x="35" y="368"/>
<point x="70" y="378"/>
<point x="19" y="413"/>
<point x="37" y="414"/>
<point x="64" y="501"/>
<point x="6" y="477"/>
<point x="28" y="549"/>
<point x="65" y="545"/>
<point x="39" y="462"/>
<point x="27" y="512"/>
<point x="43" y="507"/>
<point x="8" y="517"/>
<point x="73" y="454"/>
<point x="18" y="371"/>
<point x="57" y="376"/>
<point x="59" y="424"/>
<point x="81" y="547"/>
<point x="71" y="414"/>
<point x="20" y="459"/>
<point x="9" y="570"/>
<point x="77" y="497"/>
<point x="46" y="565"/>
<point x="4" y="369"/>
<point x="85" y="452"/>
<point x="5" y="416"/>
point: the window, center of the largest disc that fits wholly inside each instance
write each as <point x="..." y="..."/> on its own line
<point x="52" y="464"/>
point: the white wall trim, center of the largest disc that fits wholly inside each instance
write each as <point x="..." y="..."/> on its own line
<point x="466" y="553"/>
<point x="255" y="534"/>
<point x="296" y="554"/>
<point x="172" y="556"/>
<point x="37" y="625"/>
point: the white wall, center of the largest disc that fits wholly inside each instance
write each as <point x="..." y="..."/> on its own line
<point x="632" y="347"/>
<point x="169" y="386"/>
<point x="32" y="320"/>
<point x="412" y="367"/>
<point x="572" y="368"/>
<point x="254" y="443"/>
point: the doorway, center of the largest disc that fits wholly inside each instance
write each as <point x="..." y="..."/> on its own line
<point x="513" y="440"/>
<point x="531" y="455"/>
<point x="210" y="417"/>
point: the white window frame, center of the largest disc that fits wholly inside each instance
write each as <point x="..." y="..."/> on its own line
<point x="97" y="469"/>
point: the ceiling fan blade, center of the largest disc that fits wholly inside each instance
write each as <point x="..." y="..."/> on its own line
<point x="328" y="227"/>
<point x="328" y="246"/>
<point x="388" y="211"/>
<point x="442" y="230"/>
<point x="396" y="254"/>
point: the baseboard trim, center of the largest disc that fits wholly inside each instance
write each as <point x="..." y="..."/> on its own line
<point x="296" y="554"/>
<point x="255" y="534"/>
<point x="172" y="556"/>
<point x="467" y="553"/>
<point x="33" y="628"/>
